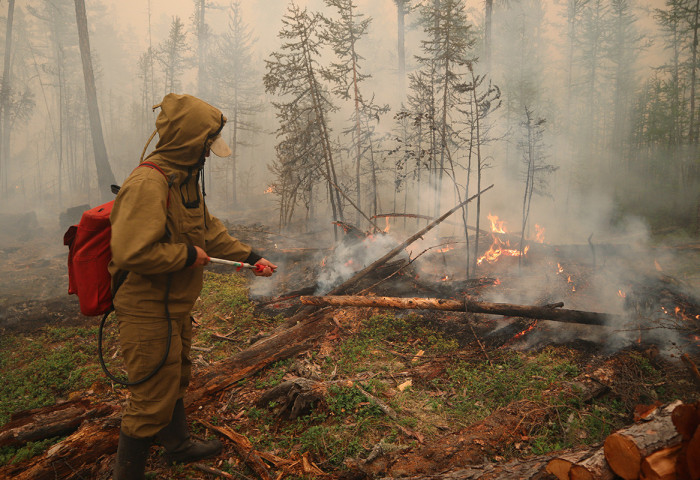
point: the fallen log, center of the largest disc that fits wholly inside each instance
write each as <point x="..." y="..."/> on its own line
<point x="51" y="421"/>
<point x="561" y="466"/>
<point x="75" y="457"/>
<point x="507" y="309"/>
<point x="626" y="448"/>
<point x="244" y="449"/>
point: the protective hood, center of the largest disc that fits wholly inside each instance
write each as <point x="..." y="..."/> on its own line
<point x="186" y="127"/>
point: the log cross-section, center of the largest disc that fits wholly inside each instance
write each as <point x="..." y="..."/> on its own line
<point x="507" y="309"/>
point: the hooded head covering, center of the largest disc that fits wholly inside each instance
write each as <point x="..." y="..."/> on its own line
<point x="187" y="127"/>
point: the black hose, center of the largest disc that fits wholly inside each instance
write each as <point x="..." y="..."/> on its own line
<point x="167" y="344"/>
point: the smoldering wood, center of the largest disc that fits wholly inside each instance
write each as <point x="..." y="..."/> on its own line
<point x="626" y="448"/>
<point x="507" y="309"/>
<point x="346" y="285"/>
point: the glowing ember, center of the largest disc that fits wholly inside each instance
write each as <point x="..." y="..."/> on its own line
<point x="539" y="234"/>
<point x="447" y="248"/>
<point x="348" y="263"/>
<point x="531" y="327"/>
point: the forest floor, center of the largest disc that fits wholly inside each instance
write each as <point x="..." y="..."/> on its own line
<point x="394" y="393"/>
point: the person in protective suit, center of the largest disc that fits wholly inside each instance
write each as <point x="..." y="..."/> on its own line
<point x="162" y="235"/>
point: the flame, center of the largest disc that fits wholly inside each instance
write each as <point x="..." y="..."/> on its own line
<point x="270" y="189"/>
<point x="622" y="294"/>
<point x="497" y="226"/>
<point x="349" y="263"/>
<point x="531" y="327"/>
<point x="539" y="234"/>
<point x="497" y="282"/>
<point x="386" y="230"/>
<point x="445" y="278"/>
<point x="560" y="269"/>
<point x="446" y="248"/>
<point x="658" y="267"/>
<point x="497" y="250"/>
<point x="571" y="282"/>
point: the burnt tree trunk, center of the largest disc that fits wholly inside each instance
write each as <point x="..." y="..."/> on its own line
<point x="105" y="177"/>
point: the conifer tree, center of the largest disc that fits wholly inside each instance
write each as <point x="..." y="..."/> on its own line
<point x="293" y="75"/>
<point x="173" y="55"/>
<point x="446" y="51"/>
<point x="238" y="89"/>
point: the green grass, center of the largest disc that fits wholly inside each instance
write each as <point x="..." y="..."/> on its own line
<point x="39" y="371"/>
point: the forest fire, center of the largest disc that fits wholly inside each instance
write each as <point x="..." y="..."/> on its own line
<point x="500" y="247"/>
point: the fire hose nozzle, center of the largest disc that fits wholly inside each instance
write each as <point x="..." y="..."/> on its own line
<point x="240" y="265"/>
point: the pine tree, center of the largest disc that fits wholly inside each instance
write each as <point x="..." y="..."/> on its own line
<point x="172" y="55"/>
<point x="446" y="51"/>
<point x="238" y="89"/>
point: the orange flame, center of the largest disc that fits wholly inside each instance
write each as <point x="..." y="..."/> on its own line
<point x="497" y="282"/>
<point x="497" y="226"/>
<point x="445" y="278"/>
<point x="539" y="234"/>
<point x="622" y="294"/>
<point x="446" y="248"/>
<point x="270" y="189"/>
<point x="560" y="269"/>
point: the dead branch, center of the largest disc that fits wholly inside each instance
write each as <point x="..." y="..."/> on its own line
<point x="244" y="449"/>
<point x="512" y="310"/>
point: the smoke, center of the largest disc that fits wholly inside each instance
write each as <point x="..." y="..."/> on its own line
<point x="350" y="257"/>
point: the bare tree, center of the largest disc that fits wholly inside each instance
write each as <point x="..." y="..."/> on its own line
<point x="105" y="177"/>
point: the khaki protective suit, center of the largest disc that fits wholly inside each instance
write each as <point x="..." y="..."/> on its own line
<point x="156" y="223"/>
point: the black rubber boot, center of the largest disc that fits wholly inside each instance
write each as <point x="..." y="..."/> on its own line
<point x="179" y="446"/>
<point x="131" y="457"/>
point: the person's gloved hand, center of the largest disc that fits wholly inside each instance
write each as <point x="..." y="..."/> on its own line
<point x="267" y="270"/>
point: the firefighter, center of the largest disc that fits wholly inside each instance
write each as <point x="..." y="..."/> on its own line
<point x="163" y="235"/>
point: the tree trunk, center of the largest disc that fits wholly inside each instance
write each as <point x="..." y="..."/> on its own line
<point x="105" y="177"/>
<point x="5" y="101"/>
<point x="625" y="449"/>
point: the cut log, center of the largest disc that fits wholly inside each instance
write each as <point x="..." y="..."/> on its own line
<point x="507" y="309"/>
<point x="592" y="468"/>
<point x="626" y="448"/>
<point x="692" y="454"/>
<point x="560" y="466"/>
<point x="686" y="419"/>
<point x="661" y="465"/>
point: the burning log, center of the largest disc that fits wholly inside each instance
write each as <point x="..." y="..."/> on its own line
<point x="627" y="448"/>
<point x="345" y="286"/>
<point x="507" y="309"/>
